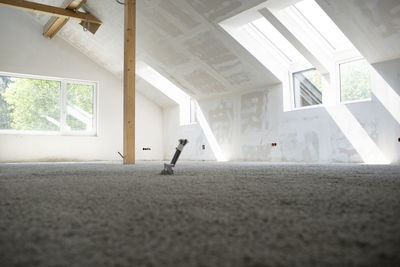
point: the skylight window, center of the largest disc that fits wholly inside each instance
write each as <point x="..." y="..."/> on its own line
<point x="276" y="40"/>
<point x="324" y="26"/>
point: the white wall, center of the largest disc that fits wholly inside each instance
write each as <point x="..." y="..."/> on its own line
<point x="149" y="129"/>
<point x="173" y="132"/>
<point x="246" y="124"/>
<point x="24" y="50"/>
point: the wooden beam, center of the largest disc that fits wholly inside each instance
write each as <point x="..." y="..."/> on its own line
<point x="50" y="10"/>
<point x="129" y="81"/>
<point x="55" y="24"/>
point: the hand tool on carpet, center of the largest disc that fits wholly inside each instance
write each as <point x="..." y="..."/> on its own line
<point x="169" y="168"/>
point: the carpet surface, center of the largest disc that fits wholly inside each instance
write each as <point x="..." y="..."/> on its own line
<point x="207" y="214"/>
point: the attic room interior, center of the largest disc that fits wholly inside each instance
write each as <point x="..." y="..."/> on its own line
<point x="291" y="110"/>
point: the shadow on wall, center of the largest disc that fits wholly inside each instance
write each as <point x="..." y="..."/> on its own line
<point x="387" y="76"/>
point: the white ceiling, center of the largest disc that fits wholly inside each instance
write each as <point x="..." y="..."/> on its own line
<point x="182" y="40"/>
<point x="373" y="26"/>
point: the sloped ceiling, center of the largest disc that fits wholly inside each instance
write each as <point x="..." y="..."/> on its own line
<point x="183" y="41"/>
<point x="373" y="26"/>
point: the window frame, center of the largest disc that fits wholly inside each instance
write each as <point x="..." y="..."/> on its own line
<point x="292" y="90"/>
<point x="63" y="105"/>
<point x="337" y="58"/>
<point x="317" y="44"/>
<point x="338" y="80"/>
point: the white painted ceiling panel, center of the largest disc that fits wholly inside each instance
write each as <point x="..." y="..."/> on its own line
<point x="182" y="40"/>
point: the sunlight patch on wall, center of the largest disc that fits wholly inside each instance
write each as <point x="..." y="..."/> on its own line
<point x="357" y="136"/>
<point x="183" y="100"/>
<point x="216" y="149"/>
<point x="167" y="88"/>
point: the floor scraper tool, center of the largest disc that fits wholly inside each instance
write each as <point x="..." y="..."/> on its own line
<point x="169" y="168"/>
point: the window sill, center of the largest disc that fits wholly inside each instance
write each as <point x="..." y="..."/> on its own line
<point x="355" y="101"/>
<point x="306" y="108"/>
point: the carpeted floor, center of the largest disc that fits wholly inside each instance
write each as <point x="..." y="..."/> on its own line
<point x="207" y="214"/>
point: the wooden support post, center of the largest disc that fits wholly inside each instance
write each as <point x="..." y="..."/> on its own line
<point x="129" y="81"/>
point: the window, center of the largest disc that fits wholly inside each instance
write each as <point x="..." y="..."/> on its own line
<point x="276" y="40"/>
<point x="79" y="107"/>
<point x="46" y="105"/>
<point x="355" y="80"/>
<point x="297" y="42"/>
<point x="307" y="88"/>
<point x="323" y="25"/>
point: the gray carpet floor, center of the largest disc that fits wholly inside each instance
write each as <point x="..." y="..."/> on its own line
<point x="207" y="214"/>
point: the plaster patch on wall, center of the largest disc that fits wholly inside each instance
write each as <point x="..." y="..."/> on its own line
<point x="178" y="13"/>
<point x="342" y="150"/>
<point x="204" y="82"/>
<point x="256" y="152"/>
<point x="215" y="9"/>
<point x="162" y="23"/>
<point x="371" y="129"/>
<point x="300" y="147"/>
<point x="311" y="151"/>
<point x="221" y="122"/>
<point x="253" y="112"/>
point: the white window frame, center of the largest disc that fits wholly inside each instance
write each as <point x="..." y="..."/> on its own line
<point x="63" y="104"/>
<point x="292" y="96"/>
<point x="298" y="25"/>
<point x="339" y="83"/>
<point x="332" y="57"/>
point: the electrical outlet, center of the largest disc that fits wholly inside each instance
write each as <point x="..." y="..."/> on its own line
<point x="203" y="147"/>
<point x="274" y="144"/>
<point x="146" y="148"/>
<point x="398" y="139"/>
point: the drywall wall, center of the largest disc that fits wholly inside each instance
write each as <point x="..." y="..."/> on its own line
<point x="246" y="124"/>
<point x="173" y="132"/>
<point x="24" y="50"/>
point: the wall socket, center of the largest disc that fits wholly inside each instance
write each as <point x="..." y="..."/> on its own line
<point x="203" y="147"/>
<point x="146" y="148"/>
<point x="274" y="144"/>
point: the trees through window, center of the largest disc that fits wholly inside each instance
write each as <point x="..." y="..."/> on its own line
<point x="355" y="80"/>
<point x="46" y="105"/>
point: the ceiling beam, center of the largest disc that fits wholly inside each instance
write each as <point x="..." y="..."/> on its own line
<point x="50" y="10"/>
<point x="55" y="24"/>
<point x="129" y="81"/>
